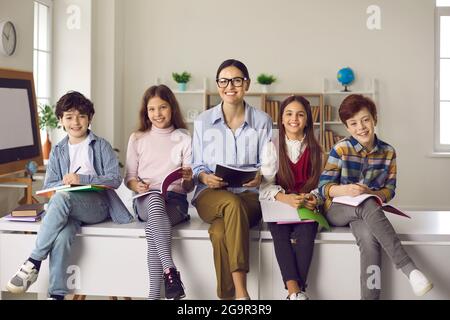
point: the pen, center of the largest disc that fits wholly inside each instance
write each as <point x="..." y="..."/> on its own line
<point x="78" y="169"/>
<point x="140" y="180"/>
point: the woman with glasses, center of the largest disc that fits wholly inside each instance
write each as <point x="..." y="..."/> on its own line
<point x="232" y="133"/>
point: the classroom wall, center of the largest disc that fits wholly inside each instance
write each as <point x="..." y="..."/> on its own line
<point x="72" y="41"/>
<point x="21" y="13"/>
<point x="134" y="42"/>
<point x="107" y="70"/>
<point x="302" y="42"/>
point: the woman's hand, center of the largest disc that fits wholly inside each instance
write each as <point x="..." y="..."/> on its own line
<point x="71" y="178"/>
<point x="212" y="181"/>
<point x="254" y="183"/>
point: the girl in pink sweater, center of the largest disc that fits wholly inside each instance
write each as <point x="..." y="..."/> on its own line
<point x="159" y="146"/>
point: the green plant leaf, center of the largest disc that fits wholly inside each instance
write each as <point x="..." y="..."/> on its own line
<point x="181" y="78"/>
<point x="47" y="117"/>
<point x="266" y="79"/>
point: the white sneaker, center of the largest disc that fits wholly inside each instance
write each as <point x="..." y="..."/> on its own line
<point x="298" y="296"/>
<point x="419" y="283"/>
<point x="23" y="278"/>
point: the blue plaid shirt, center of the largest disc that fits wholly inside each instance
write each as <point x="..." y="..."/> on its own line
<point x="349" y="162"/>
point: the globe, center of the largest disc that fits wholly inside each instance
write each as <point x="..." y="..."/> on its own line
<point x="31" y="168"/>
<point x="345" y="76"/>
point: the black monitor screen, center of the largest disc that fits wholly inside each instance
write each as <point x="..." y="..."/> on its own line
<point x="18" y="132"/>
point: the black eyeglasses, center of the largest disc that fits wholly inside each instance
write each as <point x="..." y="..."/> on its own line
<point x="236" y="82"/>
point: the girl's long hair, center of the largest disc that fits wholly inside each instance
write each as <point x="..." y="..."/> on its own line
<point x="285" y="178"/>
<point x="164" y="93"/>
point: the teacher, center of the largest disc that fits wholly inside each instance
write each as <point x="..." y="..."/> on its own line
<point x="232" y="133"/>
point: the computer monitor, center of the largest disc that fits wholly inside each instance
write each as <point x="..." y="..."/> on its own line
<point x="19" y="130"/>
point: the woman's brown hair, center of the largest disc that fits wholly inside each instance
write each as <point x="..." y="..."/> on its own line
<point x="285" y="178"/>
<point x="164" y="93"/>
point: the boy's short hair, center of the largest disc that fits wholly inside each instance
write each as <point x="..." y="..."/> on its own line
<point x="353" y="104"/>
<point x="74" y="100"/>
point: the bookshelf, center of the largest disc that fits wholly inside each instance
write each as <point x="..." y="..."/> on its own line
<point x="328" y="127"/>
<point x="333" y="129"/>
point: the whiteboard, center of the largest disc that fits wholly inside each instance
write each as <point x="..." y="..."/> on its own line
<point x="15" y="123"/>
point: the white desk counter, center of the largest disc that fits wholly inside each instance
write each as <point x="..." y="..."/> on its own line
<point x="334" y="273"/>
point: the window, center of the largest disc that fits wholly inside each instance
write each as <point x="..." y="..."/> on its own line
<point x="42" y="50"/>
<point x="442" y="127"/>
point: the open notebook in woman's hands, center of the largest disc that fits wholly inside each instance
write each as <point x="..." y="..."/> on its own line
<point x="235" y="177"/>
<point x="357" y="200"/>
<point x="167" y="181"/>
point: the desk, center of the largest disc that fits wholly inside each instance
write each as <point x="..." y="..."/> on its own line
<point x="334" y="273"/>
<point x="24" y="183"/>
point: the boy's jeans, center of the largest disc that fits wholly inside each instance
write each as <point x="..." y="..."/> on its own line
<point x="65" y="214"/>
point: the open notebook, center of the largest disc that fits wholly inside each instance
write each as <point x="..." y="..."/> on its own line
<point x="280" y="212"/>
<point x="167" y="181"/>
<point x="235" y="177"/>
<point x="356" y="201"/>
<point x="71" y="187"/>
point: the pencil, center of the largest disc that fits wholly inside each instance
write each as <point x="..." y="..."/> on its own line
<point x="140" y="180"/>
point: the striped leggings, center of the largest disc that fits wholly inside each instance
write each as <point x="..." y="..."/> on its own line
<point x="160" y="215"/>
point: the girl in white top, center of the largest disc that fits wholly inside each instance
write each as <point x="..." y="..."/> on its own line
<point x="156" y="149"/>
<point x="297" y="174"/>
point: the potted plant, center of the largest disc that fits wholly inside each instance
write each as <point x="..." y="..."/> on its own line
<point x="265" y="80"/>
<point x="47" y="121"/>
<point x="181" y="79"/>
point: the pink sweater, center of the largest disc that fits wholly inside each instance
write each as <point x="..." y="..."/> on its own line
<point x="153" y="154"/>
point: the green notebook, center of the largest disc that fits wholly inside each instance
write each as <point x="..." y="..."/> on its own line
<point x="307" y="214"/>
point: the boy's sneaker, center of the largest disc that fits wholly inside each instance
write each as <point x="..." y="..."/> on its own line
<point x="298" y="296"/>
<point x="419" y="283"/>
<point x="173" y="285"/>
<point x="23" y="278"/>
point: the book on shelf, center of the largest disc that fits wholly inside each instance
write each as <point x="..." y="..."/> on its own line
<point x="282" y="213"/>
<point x="10" y="217"/>
<point x="28" y="210"/>
<point x="327" y="113"/>
<point x="167" y="181"/>
<point x="71" y="187"/>
<point x="272" y="108"/>
<point x="330" y="139"/>
<point x="357" y="200"/>
<point x="235" y="177"/>
<point x="315" y="110"/>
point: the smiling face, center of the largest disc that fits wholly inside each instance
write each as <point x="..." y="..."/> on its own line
<point x="294" y="120"/>
<point x="159" y="112"/>
<point x="231" y="94"/>
<point x="362" y="127"/>
<point x="75" y="124"/>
